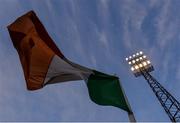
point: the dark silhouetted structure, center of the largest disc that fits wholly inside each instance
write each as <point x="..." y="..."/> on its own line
<point x="140" y="65"/>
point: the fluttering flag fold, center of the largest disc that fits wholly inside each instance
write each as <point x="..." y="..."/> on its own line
<point x="43" y="63"/>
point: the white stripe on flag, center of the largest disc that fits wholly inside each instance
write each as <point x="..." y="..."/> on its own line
<point x="60" y="70"/>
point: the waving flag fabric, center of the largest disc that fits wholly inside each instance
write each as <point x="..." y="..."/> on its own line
<point x="43" y="64"/>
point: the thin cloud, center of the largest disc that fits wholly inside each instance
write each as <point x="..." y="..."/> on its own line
<point x="133" y="15"/>
<point x="178" y="73"/>
<point x="165" y="29"/>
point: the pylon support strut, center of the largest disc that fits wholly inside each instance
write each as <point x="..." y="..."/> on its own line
<point x="168" y="102"/>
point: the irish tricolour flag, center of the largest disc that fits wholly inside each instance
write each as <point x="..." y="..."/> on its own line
<point x="43" y="64"/>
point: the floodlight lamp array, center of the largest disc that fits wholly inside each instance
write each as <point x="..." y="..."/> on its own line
<point x="139" y="62"/>
<point x="135" y="55"/>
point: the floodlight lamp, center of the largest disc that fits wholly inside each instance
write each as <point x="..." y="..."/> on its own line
<point x="148" y="62"/>
<point x="129" y="62"/>
<point x="134" y="55"/>
<point x="137" y="59"/>
<point x="140" y="52"/>
<point x="126" y="59"/>
<point x="140" y="58"/>
<point x="136" y="67"/>
<point x="144" y="56"/>
<point x="132" y="69"/>
<point x="137" y="54"/>
<point x="140" y="65"/>
<point x="144" y="63"/>
<point x="133" y="61"/>
<point x="130" y="57"/>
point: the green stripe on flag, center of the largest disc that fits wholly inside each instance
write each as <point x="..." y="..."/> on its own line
<point x="105" y="90"/>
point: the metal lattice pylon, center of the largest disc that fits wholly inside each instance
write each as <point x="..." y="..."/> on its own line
<point x="140" y="65"/>
<point x="168" y="102"/>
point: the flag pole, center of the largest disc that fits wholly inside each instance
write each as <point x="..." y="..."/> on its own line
<point x="131" y="117"/>
<point x="130" y="113"/>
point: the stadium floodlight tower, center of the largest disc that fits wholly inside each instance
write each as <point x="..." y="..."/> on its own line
<point x="140" y="65"/>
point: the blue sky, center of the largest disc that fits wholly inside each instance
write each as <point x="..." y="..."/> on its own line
<point x="98" y="34"/>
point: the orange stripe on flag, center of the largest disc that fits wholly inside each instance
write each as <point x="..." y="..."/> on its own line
<point x="35" y="48"/>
